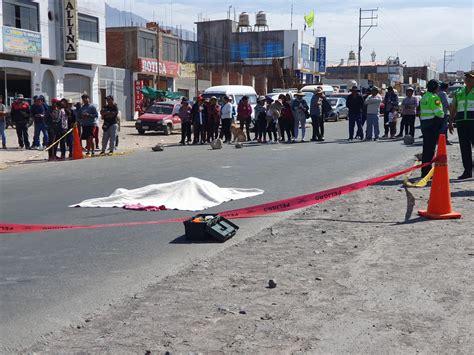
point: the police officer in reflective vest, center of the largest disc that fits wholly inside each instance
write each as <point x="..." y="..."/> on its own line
<point x="431" y="117"/>
<point x="462" y="111"/>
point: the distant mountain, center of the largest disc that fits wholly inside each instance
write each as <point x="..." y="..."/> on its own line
<point x="463" y="60"/>
<point x="117" y="18"/>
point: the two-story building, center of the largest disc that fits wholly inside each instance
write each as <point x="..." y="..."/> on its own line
<point x="51" y="47"/>
<point x="276" y="58"/>
<point x="150" y="54"/>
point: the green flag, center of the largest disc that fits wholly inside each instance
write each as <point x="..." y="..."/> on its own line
<point x="309" y="19"/>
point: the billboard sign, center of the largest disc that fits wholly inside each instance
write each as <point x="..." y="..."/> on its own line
<point x="321" y="57"/>
<point x="21" y="42"/>
<point x="70" y="30"/>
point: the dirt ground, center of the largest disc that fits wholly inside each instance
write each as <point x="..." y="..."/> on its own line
<point x="130" y="141"/>
<point x="352" y="276"/>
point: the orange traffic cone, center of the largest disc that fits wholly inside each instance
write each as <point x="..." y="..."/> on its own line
<point x="439" y="204"/>
<point x="76" y="145"/>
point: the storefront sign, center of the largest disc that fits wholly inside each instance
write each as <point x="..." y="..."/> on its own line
<point x="163" y="67"/>
<point x="187" y="70"/>
<point x="70" y="30"/>
<point x="138" y="95"/>
<point x="21" y="42"/>
<point x="321" y="54"/>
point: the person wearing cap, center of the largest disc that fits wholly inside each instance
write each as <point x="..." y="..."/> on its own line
<point x="199" y="116"/>
<point x="390" y="101"/>
<point x="431" y="117"/>
<point x="226" y="119"/>
<point x="244" y="115"/>
<point x="300" y="113"/>
<point x="3" y="115"/>
<point x="87" y="116"/>
<point x="38" y="114"/>
<point x="372" y="104"/>
<point x="409" y="107"/>
<point x="109" y="114"/>
<point x="462" y="112"/>
<point x="20" y="114"/>
<point x="442" y="93"/>
<point x="355" y="104"/>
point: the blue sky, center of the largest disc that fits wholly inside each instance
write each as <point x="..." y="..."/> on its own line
<point x="416" y="31"/>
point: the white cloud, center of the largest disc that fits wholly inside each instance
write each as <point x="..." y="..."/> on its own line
<point x="417" y="33"/>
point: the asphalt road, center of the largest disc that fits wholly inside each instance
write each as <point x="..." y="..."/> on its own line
<point x="54" y="279"/>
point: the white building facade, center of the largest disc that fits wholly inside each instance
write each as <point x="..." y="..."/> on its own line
<point x="34" y="38"/>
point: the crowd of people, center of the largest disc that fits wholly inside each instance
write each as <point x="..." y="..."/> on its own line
<point x="53" y="124"/>
<point x="280" y="120"/>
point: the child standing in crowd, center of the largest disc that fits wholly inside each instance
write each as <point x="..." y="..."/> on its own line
<point x="392" y="121"/>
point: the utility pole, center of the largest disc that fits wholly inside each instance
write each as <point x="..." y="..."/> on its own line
<point x="447" y="58"/>
<point x="365" y="22"/>
<point x="291" y="24"/>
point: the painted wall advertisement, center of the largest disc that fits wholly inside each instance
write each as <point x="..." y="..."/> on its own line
<point x="138" y="95"/>
<point x="321" y="54"/>
<point x="70" y="30"/>
<point x="163" y="67"/>
<point x="21" y="42"/>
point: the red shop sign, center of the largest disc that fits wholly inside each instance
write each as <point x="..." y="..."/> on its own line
<point x="138" y="95"/>
<point x="163" y="67"/>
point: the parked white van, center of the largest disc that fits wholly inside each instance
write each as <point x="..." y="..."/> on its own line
<point x="327" y="89"/>
<point x="235" y="92"/>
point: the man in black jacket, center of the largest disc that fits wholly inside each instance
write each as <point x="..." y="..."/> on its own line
<point x="199" y="117"/>
<point x="355" y="104"/>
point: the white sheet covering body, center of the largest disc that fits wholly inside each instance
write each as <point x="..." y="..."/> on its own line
<point x="191" y="194"/>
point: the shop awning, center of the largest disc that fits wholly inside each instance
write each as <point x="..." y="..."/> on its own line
<point x="158" y="94"/>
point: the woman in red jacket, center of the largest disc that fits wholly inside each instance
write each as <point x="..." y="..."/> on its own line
<point x="244" y="115"/>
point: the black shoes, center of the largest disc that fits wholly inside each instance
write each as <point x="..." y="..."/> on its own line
<point x="465" y="175"/>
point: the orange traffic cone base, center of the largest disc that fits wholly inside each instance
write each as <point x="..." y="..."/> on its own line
<point x="439" y="204"/>
<point x="451" y="215"/>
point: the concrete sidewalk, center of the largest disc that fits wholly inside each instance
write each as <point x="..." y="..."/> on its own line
<point x="130" y="141"/>
<point x="352" y="276"/>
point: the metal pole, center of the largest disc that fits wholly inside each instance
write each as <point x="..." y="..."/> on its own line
<point x="291" y="24"/>
<point x="359" y="48"/>
<point x="444" y="62"/>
